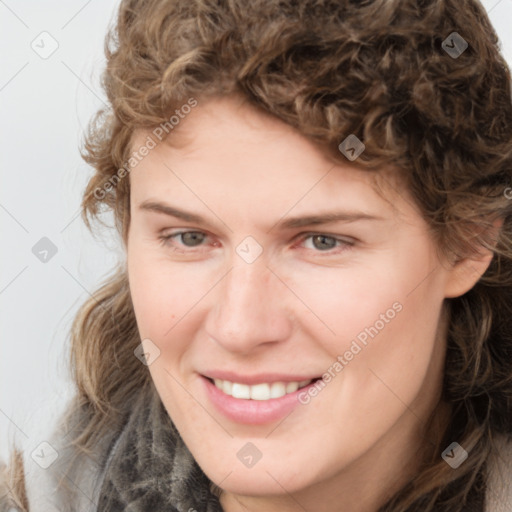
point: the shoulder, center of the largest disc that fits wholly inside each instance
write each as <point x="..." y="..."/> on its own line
<point x="499" y="482"/>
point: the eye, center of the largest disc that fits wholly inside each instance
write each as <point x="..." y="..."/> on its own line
<point x="186" y="238"/>
<point x="183" y="241"/>
<point x="322" y="242"/>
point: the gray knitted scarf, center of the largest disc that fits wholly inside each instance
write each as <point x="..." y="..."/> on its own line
<point x="150" y="469"/>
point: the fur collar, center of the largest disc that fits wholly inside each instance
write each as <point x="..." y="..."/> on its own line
<point x="150" y="468"/>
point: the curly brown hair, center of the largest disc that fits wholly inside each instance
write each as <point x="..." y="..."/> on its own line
<point x="374" y="68"/>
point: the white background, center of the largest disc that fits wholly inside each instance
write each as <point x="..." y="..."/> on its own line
<point x="45" y="105"/>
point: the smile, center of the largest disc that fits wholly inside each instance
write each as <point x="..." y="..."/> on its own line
<point x="263" y="391"/>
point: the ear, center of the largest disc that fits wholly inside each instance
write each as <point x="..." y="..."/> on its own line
<point x="464" y="274"/>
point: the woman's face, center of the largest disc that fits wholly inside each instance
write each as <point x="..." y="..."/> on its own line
<point x="257" y="266"/>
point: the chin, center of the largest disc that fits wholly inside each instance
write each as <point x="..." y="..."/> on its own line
<point x="268" y="478"/>
<point x="260" y="483"/>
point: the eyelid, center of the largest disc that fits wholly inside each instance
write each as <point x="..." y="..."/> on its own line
<point x="341" y="238"/>
<point x="346" y="242"/>
<point x="166" y="238"/>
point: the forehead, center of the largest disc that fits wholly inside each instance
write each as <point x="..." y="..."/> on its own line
<point x="224" y="146"/>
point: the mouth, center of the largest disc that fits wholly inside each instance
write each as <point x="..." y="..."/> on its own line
<point x="257" y="403"/>
<point x="262" y="391"/>
<point x="255" y="399"/>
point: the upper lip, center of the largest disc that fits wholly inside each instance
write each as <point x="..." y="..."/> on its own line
<point x="259" y="378"/>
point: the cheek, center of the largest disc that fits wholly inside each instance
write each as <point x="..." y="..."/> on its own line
<point x="167" y="297"/>
<point x="346" y="304"/>
<point x="399" y="360"/>
<point x="153" y="304"/>
<point x="382" y="315"/>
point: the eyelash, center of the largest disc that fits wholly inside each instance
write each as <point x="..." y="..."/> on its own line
<point x="345" y="244"/>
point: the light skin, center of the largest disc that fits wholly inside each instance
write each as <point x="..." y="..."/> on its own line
<point x="293" y="310"/>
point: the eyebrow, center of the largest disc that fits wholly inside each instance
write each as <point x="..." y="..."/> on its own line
<point x="289" y="223"/>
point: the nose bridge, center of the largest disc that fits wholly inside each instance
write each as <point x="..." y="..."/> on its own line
<point x="249" y="308"/>
<point x="247" y="288"/>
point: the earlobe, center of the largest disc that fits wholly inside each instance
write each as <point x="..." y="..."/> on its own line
<point x="465" y="273"/>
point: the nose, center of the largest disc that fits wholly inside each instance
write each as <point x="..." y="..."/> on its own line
<point x="251" y="309"/>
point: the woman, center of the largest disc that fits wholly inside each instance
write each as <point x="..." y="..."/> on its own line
<point x="314" y="311"/>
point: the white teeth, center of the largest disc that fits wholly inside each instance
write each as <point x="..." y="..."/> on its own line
<point x="260" y="392"/>
<point x="240" y="390"/>
<point x="264" y="391"/>
<point x="291" y="387"/>
<point x="277" y="390"/>
<point x="226" y="386"/>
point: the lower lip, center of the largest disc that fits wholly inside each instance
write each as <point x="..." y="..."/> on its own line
<point x="253" y="412"/>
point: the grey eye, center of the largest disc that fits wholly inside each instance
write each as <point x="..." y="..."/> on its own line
<point x="323" y="242"/>
<point x="192" y="238"/>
